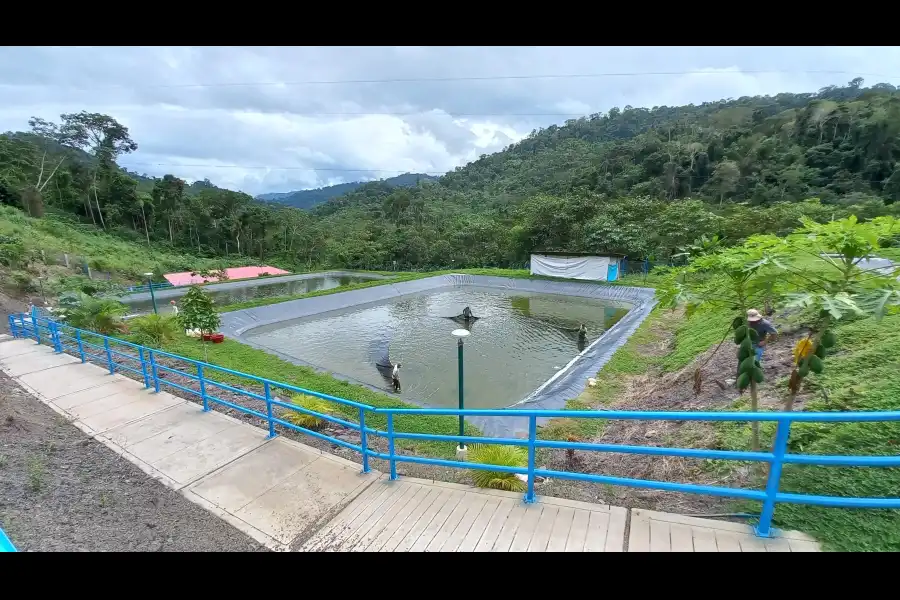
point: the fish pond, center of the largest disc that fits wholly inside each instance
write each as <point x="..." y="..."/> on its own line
<point x="518" y="342"/>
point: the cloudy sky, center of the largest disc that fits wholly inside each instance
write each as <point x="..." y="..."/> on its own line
<point x="276" y="119"/>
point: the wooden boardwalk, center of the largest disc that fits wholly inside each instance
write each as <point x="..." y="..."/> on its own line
<point x="289" y="496"/>
<point x="427" y="516"/>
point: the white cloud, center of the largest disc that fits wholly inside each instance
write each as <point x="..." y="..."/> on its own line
<point x="264" y="119"/>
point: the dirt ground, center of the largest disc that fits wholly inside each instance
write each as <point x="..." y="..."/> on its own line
<point x="62" y="491"/>
<point x="9" y="306"/>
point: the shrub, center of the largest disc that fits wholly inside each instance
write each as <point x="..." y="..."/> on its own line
<point x="197" y="311"/>
<point x="502" y="456"/>
<point x="154" y="330"/>
<point x="309" y="403"/>
<point x="96" y="314"/>
<point x="24" y="282"/>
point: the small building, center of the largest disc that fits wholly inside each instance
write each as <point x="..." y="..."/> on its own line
<point x="578" y="265"/>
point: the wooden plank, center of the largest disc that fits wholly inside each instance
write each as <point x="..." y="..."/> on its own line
<point x="439" y="519"/>
<point x="727" y="542"/>
<point x="704" y="540"/>
<point x="424" y="521"/>
<point x="682" y="538"/>
<point x="660" y="537"/>
<point x="400" y="518"/>
<point x="803" y="546"/>
<point x="598" y="528"/>
<point x="452" y="522"/>
<point x="504" y="540"/>
<point x="559" y="535"/>
<point x="362" y="526"/>
<point x="544" y="528"/>
<point x="777" y="545"/>
<point x="639" y="538"/>
<point x="751" y="543"/>
<point x="365" y="538"/>
<point x="414" y="517"/>
<point x="578" y="531"/>
<point x="462" y="530"/>
<point x="525" y="530"/>
<point x="494" y="526"/>
<point x="615" y="537"/>
<point x="335" y="531"/>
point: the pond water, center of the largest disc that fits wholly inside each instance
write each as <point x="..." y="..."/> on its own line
<point x="519" y="341"/>
<point x="230" y="293"/>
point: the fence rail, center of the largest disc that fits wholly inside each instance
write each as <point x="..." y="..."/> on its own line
<point x="147" y="365"/>
<point x="146" y="288"/>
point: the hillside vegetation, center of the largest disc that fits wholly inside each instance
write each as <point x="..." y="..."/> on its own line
<point x="638" y="181"/>
<point x="306" y="199"/>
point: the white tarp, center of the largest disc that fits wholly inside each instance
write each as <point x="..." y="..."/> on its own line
<point x="593" y="268"/>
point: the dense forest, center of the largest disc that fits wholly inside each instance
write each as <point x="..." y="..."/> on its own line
<point x="638" y="181"/>
<point x="309" y="198"/>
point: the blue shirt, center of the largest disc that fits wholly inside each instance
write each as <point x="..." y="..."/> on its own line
<point x="763" y="328"/>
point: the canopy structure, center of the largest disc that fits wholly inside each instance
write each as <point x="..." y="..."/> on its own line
<point x="576" y="266"/>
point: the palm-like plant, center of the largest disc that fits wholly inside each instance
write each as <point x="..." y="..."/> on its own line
<point x="304" y="420"/>
<point x="502" y="456"/>
<point x="102" y="315"/>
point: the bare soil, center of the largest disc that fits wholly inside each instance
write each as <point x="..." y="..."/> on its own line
<point x="62" y="491"/>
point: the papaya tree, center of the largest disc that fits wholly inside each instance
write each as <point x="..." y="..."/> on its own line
<point x="733" y="280"/>
<point x="827" y="266"/>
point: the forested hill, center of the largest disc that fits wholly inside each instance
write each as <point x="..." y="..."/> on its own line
<point x="643" y="182"/>
<point x="308" y="198"/>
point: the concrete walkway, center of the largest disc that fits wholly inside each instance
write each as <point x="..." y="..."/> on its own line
<point x="289" y="496"/>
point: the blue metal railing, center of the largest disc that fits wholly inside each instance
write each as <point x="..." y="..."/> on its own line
<point x="5" y="544"/>
<point x="146" y="288"/>
<point x="145" y="363"/>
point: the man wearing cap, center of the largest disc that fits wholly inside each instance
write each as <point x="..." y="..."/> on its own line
<point x="763" y="328"/>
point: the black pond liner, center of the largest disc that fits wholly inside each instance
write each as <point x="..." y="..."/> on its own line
<point x="565" y="384"/>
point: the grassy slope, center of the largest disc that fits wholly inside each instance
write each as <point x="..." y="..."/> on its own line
<point x="862" y="374"/>
<point x="103" y="251"/>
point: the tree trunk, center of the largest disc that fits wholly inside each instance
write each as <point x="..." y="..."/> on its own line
<point x="754" y="426"/>
<point x="146" y="231"/>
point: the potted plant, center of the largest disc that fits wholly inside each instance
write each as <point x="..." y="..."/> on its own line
<point x="197" y="312"/>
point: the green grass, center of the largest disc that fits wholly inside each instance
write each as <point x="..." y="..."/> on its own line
<point x="695" y="335"/>
<point x="245" y="359"/>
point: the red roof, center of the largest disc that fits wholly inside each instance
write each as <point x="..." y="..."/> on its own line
<point x="186" y="278"/>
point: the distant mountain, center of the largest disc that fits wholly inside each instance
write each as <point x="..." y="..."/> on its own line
<point x="309" y="198"/>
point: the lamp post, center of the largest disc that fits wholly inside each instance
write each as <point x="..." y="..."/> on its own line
<point x="149" y="277"/>
<point x="460" y="334"/>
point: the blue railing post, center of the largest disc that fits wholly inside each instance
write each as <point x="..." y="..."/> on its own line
<point x="37" y="328"/>
<point x="144" y="367"/>
<point x="779" y="449"/>
<point x="80" y="345"/>
<point x="12" y="326"/>
<point x="109" y="360"/>
<point x="202" y="387"/>
<point x="390" y="432"/>
<point x="532" y="437"/>
<point x="22" y="325"/>
<point x="154" y="372"/>
<point x="269" y="409"/>
<point x="363" y="441"/>
<point x="54" y="335"/>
